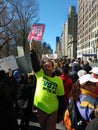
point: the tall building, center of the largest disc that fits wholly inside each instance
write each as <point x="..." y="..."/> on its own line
<point x="64" y="40"/>
<point x="72" y="32"/>
<point x="58" y="47"/>
<point x="69" y="35"/>
<point x="87" y="43"/>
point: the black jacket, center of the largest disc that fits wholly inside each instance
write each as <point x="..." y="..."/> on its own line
<point x="8" y="118"/>
<point x="35" y="61"/>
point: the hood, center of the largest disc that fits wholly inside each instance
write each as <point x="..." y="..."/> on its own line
<point x="16" y="73"/>
<point x="63" y="77"/>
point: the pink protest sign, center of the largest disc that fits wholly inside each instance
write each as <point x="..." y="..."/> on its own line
<point x="36" y="32"/>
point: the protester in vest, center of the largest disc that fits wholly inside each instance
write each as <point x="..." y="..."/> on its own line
<point x="83" y="94"/>
<point x="93" y="124"/>
<point x="49" y="91"/>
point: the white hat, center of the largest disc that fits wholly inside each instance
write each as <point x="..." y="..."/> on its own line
<point x="87" y="77"/>
<point x="94" y="70"/>
<point x="81" y="73"/>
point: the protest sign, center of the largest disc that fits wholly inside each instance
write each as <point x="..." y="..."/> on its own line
<point x="8" y="63"/>
<point x="36" y="32"/>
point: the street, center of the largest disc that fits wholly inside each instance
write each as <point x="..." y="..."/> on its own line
<point x="34" y="125"/>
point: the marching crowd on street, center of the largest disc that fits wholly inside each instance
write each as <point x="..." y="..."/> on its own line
<point x="48" y="90"/>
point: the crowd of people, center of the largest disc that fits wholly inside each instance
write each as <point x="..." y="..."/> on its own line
<point x="16" y="99"/>
<point x="48" y="89"/>
<point x="79" y="83"/>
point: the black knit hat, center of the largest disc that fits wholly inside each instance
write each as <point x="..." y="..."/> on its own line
<point x="2" y="75"/>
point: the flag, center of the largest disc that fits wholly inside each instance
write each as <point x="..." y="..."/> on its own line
<point x="36" y="32"/>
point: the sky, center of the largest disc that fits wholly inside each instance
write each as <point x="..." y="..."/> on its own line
<point x="54" y="13"/>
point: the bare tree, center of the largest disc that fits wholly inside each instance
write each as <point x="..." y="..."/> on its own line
<point x="25" y="14"/>
<point x="16" y="18"/>
<point x="5" y="19"/>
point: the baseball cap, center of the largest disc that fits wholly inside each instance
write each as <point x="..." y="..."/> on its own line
<point x="94" y="70"/>
<point x="87" y="77"/>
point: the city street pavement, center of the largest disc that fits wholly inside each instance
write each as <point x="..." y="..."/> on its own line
<point x="34" y="125"/>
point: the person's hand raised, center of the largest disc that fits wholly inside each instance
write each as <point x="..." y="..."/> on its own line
<point x="31" y="44"/>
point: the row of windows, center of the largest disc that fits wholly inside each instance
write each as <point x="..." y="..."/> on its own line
<point x="90" y="25"/>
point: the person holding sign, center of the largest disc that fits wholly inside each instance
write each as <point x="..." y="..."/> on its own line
<point x="49" y="91"/>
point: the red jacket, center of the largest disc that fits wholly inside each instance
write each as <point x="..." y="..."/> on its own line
<point x="67" y="86"/>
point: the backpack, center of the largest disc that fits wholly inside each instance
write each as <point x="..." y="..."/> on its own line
<point x="72" y="118"/>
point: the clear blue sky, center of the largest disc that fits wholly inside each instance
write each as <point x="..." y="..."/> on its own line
<point x="54" y="13"/>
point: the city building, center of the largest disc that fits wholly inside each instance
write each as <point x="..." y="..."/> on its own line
<point x="69" y="35"/>
<point x="64" y="40"/>
<point x="58" y="47"/>
<point x="87" y="35"/>
<point x="72" y="33"/>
